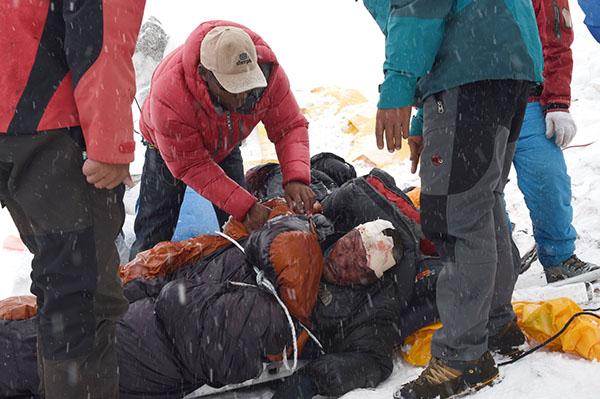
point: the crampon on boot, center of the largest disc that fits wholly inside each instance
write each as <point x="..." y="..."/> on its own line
<point x="439" y="380"/>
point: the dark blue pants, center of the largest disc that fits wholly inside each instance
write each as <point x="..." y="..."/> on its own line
<point x="161" y="196"/>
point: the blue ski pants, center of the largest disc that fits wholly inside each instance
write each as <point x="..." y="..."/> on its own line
<point x="542" y="178"/>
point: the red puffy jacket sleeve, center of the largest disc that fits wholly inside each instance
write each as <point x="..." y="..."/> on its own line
<point x="189" y="161"/>
<point x="556" y="33"/>
<point x="100" y="38"/>
<point x="288" y="130"/>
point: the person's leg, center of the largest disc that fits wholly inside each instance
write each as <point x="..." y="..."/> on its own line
<point x="23" y="226"/>
<point x="507" y="272"/>
<point x="462" y="164"/>
<point x="70" y="227"/>
<point x="542" y="178"/>
<point x="161" y="196"/>
<point x="233" y="166"/>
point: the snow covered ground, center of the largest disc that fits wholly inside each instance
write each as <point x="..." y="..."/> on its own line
<point x="333" y="52"/>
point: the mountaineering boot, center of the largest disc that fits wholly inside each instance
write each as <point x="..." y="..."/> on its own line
<point x="439" y="380"/>
<point x="507" y="341"/>
<point x="572" y="267"/>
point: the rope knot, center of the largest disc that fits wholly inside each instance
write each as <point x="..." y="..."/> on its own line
<point x="260" y="277"/>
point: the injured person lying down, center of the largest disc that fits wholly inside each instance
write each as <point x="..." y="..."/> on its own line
<point x="340" y="288"/>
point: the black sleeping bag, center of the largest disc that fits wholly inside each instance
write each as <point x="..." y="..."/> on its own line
<point x="183" y="330"/>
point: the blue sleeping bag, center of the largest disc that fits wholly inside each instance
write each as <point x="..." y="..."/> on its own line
<point x="196" y="217"/>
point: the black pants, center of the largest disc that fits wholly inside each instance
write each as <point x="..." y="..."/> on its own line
<point x="70" y="228"/>
<point x="161" y="196"/>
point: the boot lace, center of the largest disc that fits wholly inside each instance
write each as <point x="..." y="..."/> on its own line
<point x="577" y="264"/>
<point x="437" y="373"/>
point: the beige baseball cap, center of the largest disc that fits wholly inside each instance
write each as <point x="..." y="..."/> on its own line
<point x="229" y="53"/>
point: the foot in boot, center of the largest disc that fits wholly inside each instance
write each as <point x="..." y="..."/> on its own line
<point x="508" y="341"/>
<point x="439" y="380"/>
<point x="569" y="268"/>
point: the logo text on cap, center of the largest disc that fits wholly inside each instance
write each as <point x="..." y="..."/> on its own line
<point x="243" y="59"/>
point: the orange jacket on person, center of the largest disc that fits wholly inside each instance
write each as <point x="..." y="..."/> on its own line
<point x="67" y="64"/>
<point x="193" y="135"/>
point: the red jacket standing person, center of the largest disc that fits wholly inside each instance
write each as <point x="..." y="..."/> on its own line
<point x="205" y="98"/>
<point x="66" y="141"/>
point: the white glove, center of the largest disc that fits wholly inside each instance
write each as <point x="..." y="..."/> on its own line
<point x="561" y="125"/>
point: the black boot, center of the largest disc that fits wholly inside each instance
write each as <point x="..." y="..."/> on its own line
<point x="571" y="267"/>
<point x="439" y="380"/>
<point x="508" y="341"/>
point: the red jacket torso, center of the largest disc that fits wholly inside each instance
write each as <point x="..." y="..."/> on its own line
<point x="67" y="64"/>
<point x="556" y="33"/>
<point x="180" y="119"/>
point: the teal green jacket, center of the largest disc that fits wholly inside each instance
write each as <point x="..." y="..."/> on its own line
<point x="435" y="45"/>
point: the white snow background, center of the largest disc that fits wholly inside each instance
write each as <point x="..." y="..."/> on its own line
<point x="336" y="44"/>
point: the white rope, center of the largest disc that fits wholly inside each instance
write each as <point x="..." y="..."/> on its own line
<point x="313" y="337"/>
<point x="231" y="240"/>
<point x="310" y="333"/>
<point x="261" y="281"/>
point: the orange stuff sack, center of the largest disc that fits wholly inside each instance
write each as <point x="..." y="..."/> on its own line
<point x="417" y="347"/>
<point x="540" y="320"/>
<point x="18" y="308"/>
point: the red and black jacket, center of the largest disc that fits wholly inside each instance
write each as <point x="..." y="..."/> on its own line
<point x="68" y="63"/>
<point x="556" y="33"/>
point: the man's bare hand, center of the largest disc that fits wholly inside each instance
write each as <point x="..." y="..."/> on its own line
<point x="106" y="175"/>
<point x="415" y="143"/>
<point x="256" y="217"/>
<point x="394" y="124"/>
<point x="299" y="197"/>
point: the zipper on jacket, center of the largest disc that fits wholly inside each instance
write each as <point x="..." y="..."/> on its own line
<point x="440" y="103"/>
<point x="229" y="127"/>
<point x="556" y="19"/>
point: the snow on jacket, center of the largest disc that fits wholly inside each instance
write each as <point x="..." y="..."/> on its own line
<point x="556" y="33"/>
<point x="591" y="8"/>
<point x="436" y="45"/>
<point x="193" y="135"/>
<point x="67" y="63"/>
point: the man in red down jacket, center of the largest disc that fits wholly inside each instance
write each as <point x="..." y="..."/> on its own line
<point x="66" y="84"/>
<point x="205" y="98"/>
